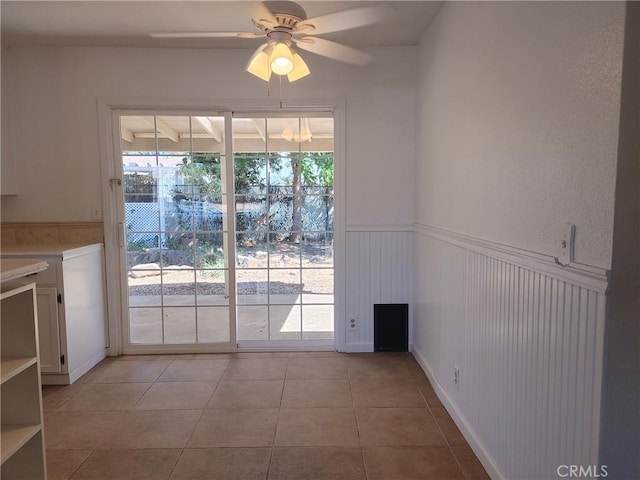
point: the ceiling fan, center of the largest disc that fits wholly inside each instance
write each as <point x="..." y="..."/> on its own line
<point x="285" y="24"/>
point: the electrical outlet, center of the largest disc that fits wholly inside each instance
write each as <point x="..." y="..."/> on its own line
<point x="95" y="213"/>
<point x="353" y="324"/>
<point x="456" y="376"/>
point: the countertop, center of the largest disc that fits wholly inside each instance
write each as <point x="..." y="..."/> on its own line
<point x="66" y="250"/>
<point x="14" y="268"/>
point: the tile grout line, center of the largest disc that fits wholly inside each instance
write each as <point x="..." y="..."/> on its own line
<point x="353" y="406"/>
<point x="455" y="457"/>
<point x="275" y="430"/>
<point x="81" y="464"/>
<point x="204" y="409"/>
<point x="173" y="469"/>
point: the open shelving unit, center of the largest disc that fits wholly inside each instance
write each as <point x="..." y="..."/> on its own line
<point x="22" y="448"/>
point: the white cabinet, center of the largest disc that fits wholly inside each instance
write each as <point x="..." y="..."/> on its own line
<point x="22" y="435"/>
<point x="49" y="329"/>
<point x="71" y="310"/>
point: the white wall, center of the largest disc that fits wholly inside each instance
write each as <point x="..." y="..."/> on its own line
<point x="518" y="125"/>
<point x="518" y="115"/>
<point x="50" y="99"/>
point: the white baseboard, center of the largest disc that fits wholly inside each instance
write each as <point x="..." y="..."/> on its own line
<point x="360" y="347"/>
<point x="88" y="365"/>
<point x="69" y="378"/>
<point x="476" y="445"/>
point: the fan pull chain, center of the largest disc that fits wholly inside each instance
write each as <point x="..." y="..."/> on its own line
<point x="280" y="88"/>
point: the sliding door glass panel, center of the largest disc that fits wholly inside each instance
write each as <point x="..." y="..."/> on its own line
<point x="176" y="229"/>
<point x="213" y="324"/>
<point x="283" y="171"/>
<point x="145" y="325"/>
<point x="317" y="323"/>
<point x="285" y="322"/>
<point x="253" y="322"/>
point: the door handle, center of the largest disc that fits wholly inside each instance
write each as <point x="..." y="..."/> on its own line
<point x="121" y="234"/>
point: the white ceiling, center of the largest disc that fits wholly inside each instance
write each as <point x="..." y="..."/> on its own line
<point x="128" y="23"/>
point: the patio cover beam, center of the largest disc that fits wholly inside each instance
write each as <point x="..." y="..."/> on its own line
<point x="163" y="128"/>
<point x="126" y="134"/>
<point x="259" y="124"/>
<point x="210" y="127"/>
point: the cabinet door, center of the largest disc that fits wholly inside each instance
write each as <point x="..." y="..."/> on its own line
<point x="48" y="329"/>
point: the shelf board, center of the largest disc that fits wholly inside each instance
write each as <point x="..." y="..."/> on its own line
<point x="12" y="366"/>
<point x="15" y="287"/>
<point x="13" y="437"/>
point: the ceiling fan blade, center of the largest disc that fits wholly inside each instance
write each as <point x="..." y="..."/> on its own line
<point x="334" y="50"/>
<point x="207" y="34"/>
<point x="336" y="22"/>
<point x="261" y="14"/>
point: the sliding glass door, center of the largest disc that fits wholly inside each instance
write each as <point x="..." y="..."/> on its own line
<point x="226" y="246"/>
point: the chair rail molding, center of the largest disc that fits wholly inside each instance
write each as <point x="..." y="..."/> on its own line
<point x="593" y="278"/>
<point x="378" y="227"/>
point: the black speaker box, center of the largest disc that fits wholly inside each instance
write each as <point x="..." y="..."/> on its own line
<point x="391" y="327"/>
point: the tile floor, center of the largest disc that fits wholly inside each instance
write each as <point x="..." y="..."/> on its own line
<point x="298" y="416"/>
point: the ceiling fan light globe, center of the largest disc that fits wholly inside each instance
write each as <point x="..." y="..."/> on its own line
<point x="297" y="136"/>
<point x="281" y="59"/>
<point x="288" y="134"/>
<point x="281" y="66"/>
<point x="299" y="70"/>
<point x="259" y="64"/>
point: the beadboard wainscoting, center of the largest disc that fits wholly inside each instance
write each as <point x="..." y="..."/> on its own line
<point x="379" y="269"/>
<point x="526" y="337"/>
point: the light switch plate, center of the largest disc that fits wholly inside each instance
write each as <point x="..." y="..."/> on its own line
<point x="567" y="242"/>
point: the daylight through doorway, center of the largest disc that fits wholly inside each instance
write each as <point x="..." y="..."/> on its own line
<point x="208" y="268"/>
<point x="284" y="229"/>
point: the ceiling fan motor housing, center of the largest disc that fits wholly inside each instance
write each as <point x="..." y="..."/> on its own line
<point x="288" y="14"/>
<point x="277" y="35"/>
<point x="290" y="10"/>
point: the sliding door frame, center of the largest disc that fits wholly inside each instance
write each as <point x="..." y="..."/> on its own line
<point x="109" y="112"/>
